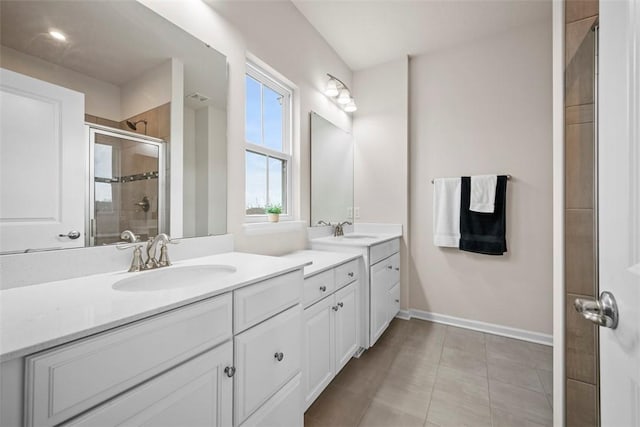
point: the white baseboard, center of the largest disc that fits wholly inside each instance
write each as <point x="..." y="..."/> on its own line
<point x="476" y="325"/>
<point x="404" y="314"/>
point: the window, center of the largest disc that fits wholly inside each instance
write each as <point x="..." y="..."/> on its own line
<point x="268" y="144"/>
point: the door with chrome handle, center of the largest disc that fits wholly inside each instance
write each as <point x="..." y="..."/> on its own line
<point x="73" y="234"/>
<point x="603" y="312"/>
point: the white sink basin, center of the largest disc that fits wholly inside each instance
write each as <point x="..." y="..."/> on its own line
<point x="173" y="277"/>
<point x="358" y="236"/>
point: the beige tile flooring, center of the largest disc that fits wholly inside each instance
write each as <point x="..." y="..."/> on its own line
<point x="426" y="374"/>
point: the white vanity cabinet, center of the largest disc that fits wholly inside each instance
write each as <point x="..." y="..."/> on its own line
<point x="229" y="360"/>
<point x="69" y="380"/>
<point x="331" y="327"/>
<point x="385" y="294"/>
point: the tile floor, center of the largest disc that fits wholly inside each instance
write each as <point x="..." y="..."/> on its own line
<point x="426" y="374"/>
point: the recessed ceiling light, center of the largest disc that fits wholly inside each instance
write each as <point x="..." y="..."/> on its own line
<point x="58" y="35"/>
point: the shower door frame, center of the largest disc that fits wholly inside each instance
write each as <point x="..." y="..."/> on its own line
<point x="92" y="130"/>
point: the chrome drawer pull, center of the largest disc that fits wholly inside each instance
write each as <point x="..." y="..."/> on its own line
<point x="323" y="289"/>
<point x="279" y="356"/>
<point x="230" y="371"/>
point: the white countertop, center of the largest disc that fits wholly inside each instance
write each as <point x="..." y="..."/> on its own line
<point x="320" y="260"/>
<point x="370" y="239"/>
<point x="37" y="317"/>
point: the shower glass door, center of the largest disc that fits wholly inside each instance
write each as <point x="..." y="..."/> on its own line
<point x="127" y="188"/>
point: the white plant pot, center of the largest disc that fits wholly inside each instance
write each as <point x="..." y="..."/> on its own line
<point x="273" y="217"/>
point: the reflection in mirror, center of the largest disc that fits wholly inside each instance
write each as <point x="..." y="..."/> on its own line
<point x="112" y="118"/>
<point x="331" y="172"/>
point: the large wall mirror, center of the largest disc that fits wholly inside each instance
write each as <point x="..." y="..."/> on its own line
<point x="112" y="118"/>
<point x="331" y="172"/>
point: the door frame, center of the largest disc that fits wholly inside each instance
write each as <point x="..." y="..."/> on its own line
<point x="558" y="28"/>
<point x="92" y="130"/>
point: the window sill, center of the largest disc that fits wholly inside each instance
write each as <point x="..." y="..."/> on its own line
<point x="254" y="228"/>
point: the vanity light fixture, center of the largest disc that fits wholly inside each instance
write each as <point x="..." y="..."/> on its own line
<point x="58" y="35"/>
<point x="340" y="92"/>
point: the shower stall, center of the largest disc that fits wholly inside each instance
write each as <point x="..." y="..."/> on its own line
<point x="127" y="185"/>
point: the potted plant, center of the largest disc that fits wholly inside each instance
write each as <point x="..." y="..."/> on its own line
<point x="273" y="213"/>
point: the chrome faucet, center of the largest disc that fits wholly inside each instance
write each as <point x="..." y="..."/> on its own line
<point x="152" y="247"/>
<point x="152" y="262"/>
<point x="339" y="230"/>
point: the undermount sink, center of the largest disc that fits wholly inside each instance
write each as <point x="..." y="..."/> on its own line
<point x="358" y="236"/>
<point x="173" y="278"/>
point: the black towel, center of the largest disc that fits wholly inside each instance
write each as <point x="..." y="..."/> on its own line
<point x="484" y="233"/>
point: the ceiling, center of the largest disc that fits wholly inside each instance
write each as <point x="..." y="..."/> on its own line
<point x="366" y="33"/>
<point x="114" y="42"/>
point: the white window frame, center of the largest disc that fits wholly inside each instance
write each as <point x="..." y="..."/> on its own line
<point x="286" y="155"/>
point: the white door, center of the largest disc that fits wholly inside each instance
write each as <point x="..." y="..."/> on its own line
<point x="319" y="337"/>
<point x="346" y="324"/>
<point x="43" y="161"/>
<point x="619" y="208"/>
<point x="197" y="393"/>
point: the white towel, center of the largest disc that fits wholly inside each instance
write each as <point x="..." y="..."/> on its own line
<point x="446" y="212"/>
<point x="483" y="193"/>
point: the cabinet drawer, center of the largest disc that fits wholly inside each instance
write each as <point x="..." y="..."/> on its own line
<point x="318" y="286"/>
<point x="259" y="372"/>
<point x="258" y="302"/>
<point x="195" y="394"/>
<point x="66" y="381"/>
<point x="383" y="250"/>
<point x="283" y="409"/>
<point x="347" y="273"/>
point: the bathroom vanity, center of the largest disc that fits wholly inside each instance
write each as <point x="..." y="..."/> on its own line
<point x="379" y="245"/>
<point x="102" y="350"/>
<point x="332" y="318"/>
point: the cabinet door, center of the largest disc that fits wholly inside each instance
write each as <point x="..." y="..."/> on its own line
<point x="346" y="324"/>
<point x="379" y="307"/>
<point x="197" y="393"/>
<point x="393" y="301"/>
<point x="267" y="357"/>
<point x="283" y="409"/>
<point x="319" y="339"/>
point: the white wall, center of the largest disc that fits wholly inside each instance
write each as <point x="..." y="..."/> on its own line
<point x="146" y="91"/>
<point x="276" y="33"/>
<point x="380" y="129"/>
<point x="101" y="99"/>
<point x="485" y="107"/>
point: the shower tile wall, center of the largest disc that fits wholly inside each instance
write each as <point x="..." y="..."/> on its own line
<point x="582" y="398"/>
<point x="158" y="122"/>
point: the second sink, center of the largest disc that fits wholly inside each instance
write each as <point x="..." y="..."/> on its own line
<point x="173" y="277"/>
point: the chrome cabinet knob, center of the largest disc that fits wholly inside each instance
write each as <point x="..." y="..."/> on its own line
<point x="73" y="235"/>
<point x="335" y="308"/>
<point x="279" y="356"/>
<point x="390" y="267"/>
<point x="340" y="304"/>
<point x="350" y="274"/>
<point x="603" y="312"/>
<point x="230" y="371"/>
<point x="323" y="289"/>
<point x="397" y="300"/>
<point x="397" y="268"/>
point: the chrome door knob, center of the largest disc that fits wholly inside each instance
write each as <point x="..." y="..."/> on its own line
<point x="73" y="234"/>
<point x="603" y="312"/>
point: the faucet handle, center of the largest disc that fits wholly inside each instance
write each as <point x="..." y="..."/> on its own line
<point x="126" y="245"/>
<point x="130" y="236"/>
